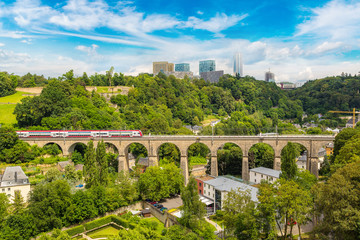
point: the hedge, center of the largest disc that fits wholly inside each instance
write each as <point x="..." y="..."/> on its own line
<point x="75" y="230"/>
<point x="98" y="223"/>
<point x="120" y="221"/>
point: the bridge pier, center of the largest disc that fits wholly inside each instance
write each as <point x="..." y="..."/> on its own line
<point x="277" y="163"/>
<point x="185" y="168"/>
<point x="245" y="168"/>
<point x="314" y="169"/>
<point x="214" y="166"/>
<point x="123" y="163"/>
<point x="153" y="161"/>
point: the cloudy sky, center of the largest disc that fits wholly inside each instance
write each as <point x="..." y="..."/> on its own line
<point x="297" y="40"/>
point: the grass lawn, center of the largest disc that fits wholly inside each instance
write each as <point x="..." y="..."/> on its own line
<point x="105" y="90"/>
<point x="15" y="98"/>
<point x="6" y="114"/>
<point x="104" y="231"/>
<point x="208" y="119"/>
<point x="160" y="225"/>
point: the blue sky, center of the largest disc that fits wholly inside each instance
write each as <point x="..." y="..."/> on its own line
<point x="297" y="40"/>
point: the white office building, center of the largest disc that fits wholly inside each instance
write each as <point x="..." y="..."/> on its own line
<point x="262" y="173"/>
<point x="216" y="190"/>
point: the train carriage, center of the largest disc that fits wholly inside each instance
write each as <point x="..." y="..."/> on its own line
<point x="79" y="133"/>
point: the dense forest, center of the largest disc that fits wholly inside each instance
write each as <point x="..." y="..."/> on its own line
<point x="163" y="105"/>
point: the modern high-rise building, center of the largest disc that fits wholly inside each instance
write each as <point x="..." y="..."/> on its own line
<point x="162" y="67"/>
<point x="206" y="66"/>
<point x="269" y="76"/>
<point x="182" y="67"/>
<point x="238" y="65"/>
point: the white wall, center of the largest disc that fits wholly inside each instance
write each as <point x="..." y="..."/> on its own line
<point x="209" y="191"/>
<point x="257" y="177"/>
<point x="10" y="191"/>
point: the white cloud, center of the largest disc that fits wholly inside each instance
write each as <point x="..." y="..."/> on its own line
<point x="215" y="24"/>
<point x="89" y="50"/>
<point x="338" y="19"/>
<point x="200" y="12"/>
<point x="27" y="12"/>
<point x="2" y="44"/>
<point x="326" y="47"/>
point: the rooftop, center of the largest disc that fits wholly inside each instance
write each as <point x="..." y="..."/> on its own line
<point x="13" y="176"/>
<point x="205" y="178"/>
<point x="226" y="184"/>
<point x="266" y="171"/>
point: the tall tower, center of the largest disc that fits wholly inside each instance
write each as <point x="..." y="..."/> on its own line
<point x="238" y="64"/>
<point x="269" y="76"/>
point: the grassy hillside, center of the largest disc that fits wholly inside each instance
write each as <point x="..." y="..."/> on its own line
<point x="7" y="106"/>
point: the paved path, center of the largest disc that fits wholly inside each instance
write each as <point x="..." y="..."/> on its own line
<point x="218" y="228"/>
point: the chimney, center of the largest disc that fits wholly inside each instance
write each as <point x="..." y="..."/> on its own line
<point x="15" y="176"/>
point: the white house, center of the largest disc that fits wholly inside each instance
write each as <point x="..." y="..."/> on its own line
<point x="262" y="173"/>
<point x="216" y="190"/>
<point x="14" y="179"/>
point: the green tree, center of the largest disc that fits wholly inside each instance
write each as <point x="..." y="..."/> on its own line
<point x="52" y="174"/>
<point x="349" y="152"/>
<point x="288" y="165"/>
<point x="261" y="155"/>
<point x="102" y="163"/>
<point x="4" y="206"/>
<point x="70" y="173"/>
<point x="337" y="204"/>
<point x="90" y="166"/>
<point x="193" y="209"/>
<point x="18" y="204"/>
<point x="267" y="208"/>
<point x="341" y="139"/>
<point x="240" y="215"/>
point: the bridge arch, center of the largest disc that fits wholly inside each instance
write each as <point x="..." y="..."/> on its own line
<point x="75" y="145"/>
<point x="168" y="152"/>
<point x="261" y="155"/>
<point x="53" y="143"/>
<point x="139" y="149"/>
<point x="199" y="159"/>
<point x="229" y="159"/>
<point x="111" y="147"/>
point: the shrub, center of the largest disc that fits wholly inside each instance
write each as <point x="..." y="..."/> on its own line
<point x="120" y="221"/>
<point x="75" y="230"/>
<point x="98" y="222"/>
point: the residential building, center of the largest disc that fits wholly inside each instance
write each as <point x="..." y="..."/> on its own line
<point x="349" y="123"/>
<point x="162" y="67"/>
<point x="301" y="161"/>
<point x="269" y="76"/>
<point x="143" y="163"/>
<point x="206" y="66"/>
<point x="286" y="85"/>
<point x="180" y="75"/>
<point x="329" y="148"/>
<point x="200" y="183"/>
<point x="14" y="179"/>
<point x="212" y="76"/>
<point x="238" y="65"/>
<point x="61" y="165"/>
<point x="217" y="189"/>
<point x="262" y="173"/>
<point x="182" y="67"/>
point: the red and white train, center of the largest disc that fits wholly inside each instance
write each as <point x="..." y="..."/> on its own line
<point x="79" y="133"/>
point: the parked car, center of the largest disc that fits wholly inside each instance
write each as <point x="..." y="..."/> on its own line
<point x="163" y="209"/>
<point x="159" y="206"/>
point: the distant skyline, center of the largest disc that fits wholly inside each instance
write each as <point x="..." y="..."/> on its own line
<point x="298" y="40"/>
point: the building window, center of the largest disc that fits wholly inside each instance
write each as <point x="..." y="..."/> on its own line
<point x="200" y="184"/>
<point x="261" y="176"/>
<point x="8" y="189"/>
<point x="255" y="180"/>
<point x="213" y="195"/>
<point x="3" y="189"/>
<point x="209" y="193"/>
<point x="200" y="191"/>
<point x="208" y="186"/>
<point x="255" y="174"/>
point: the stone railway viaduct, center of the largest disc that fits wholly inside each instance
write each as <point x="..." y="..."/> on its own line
<point x="312" y="143"/>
